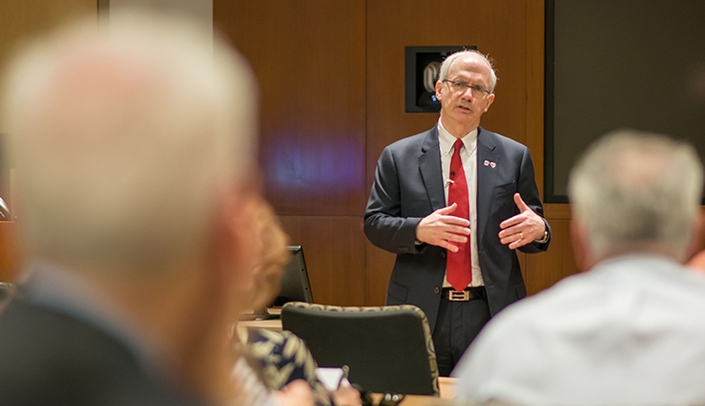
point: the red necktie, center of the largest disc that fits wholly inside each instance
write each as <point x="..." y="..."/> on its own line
<point x="458" y="264"/>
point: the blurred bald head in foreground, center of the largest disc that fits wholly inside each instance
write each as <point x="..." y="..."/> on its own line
<point x="132" y="145"/>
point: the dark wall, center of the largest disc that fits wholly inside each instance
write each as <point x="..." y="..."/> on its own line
<point x="621" y="64"/>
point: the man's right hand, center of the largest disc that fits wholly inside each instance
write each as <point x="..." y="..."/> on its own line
<point x="441" y="229"/>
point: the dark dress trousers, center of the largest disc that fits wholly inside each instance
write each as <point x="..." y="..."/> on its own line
<point x="409" y="186"/>
<point x="51" y="357"/>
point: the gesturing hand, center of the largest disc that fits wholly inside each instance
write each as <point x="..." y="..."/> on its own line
<point x="523" y="228"/>
<point x="441" y="229"/>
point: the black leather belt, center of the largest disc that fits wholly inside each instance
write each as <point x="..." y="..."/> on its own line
<point x="464" y="295"/>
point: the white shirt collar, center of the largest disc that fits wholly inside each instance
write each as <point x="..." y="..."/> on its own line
<point x="446" y="139"/>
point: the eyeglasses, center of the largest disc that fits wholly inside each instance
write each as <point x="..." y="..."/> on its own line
<point x="460" y="86"/>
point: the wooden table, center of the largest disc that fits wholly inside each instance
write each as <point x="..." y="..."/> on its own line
<point x="418" y="400"/>
<point x="270" y="324"/>
<point x="446" y="386"/>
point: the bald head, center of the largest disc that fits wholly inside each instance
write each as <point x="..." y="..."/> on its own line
<point x="479" y="62"/>
<point x="637" y="191"/>
<point x="122" y="137"/>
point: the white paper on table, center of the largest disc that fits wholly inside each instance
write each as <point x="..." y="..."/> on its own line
<point x="332" y="378"/>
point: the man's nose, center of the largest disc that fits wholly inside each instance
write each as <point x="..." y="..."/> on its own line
<point x="467" y="94"/>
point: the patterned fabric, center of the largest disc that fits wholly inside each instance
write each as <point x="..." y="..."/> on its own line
<point x="427" y="330"/>
<point x="284" y="358"/>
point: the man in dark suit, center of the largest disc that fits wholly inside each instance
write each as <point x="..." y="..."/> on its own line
<point x="132" y="145"/>
<point x="459" y="194"/>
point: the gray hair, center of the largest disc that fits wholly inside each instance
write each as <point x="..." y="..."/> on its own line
<point x="635" y="189"/>
<point x="122" y="136"/>
<point x="445" y="66"/>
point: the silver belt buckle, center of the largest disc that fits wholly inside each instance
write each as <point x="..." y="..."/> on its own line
<point x="458" y="296"/>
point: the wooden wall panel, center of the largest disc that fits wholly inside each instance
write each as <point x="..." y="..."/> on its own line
<point x="10" y="258"/>
<point x="379" y="268"/>
<point x="495" y="27"/>
<point x="23" y="20"/>
<point x="334" y="250"/>
<point x="309" y="58"/>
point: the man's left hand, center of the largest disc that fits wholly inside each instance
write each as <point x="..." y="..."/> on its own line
<point x="522" y="229"/>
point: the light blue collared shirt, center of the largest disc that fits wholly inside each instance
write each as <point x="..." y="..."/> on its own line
<point x="631" y="331"/>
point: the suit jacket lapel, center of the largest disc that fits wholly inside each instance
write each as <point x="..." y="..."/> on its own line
<point x="486" y="178"/>
<point x="430" y="167"/>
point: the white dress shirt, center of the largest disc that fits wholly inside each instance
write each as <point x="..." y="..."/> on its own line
<point x="469" y="157"/>
<point x="629" y="332"/>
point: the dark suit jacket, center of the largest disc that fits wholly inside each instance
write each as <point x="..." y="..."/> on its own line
<point x="409" y="186"/>
<point x="49" y="357"/>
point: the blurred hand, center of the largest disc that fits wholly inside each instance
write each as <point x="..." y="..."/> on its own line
<point x="346" y="396"/>
<point x="297" y="393"/>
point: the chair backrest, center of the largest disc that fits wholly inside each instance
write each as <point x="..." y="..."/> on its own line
<point x="388" y="349"/>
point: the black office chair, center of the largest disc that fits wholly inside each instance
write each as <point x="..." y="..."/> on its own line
<point x="387" y="349"/>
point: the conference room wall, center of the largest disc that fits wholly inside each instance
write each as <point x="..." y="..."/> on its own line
<point x="331" y="75"/>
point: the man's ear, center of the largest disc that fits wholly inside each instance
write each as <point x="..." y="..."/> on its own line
<point x="490" y="100"/>
<point x="439" y="86"/>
